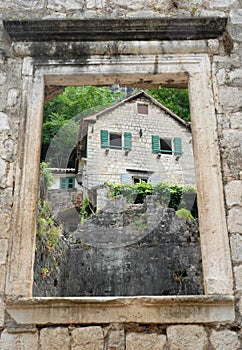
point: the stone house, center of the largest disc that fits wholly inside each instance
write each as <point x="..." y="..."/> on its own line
<point x="137" y="139"/>
<point x="65" y="197"/>
<point x="63" y="179"/>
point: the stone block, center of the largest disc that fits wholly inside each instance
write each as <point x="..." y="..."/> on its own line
<point x="221" y="4"/>
<point x="4" y="123"/>
<point x="13" y="95"/>
<point x="233" y="193"/>
<point x="240" y="306"/>
<point x="87" y="338"/>
<point x="141" y="341"/>
<point x="235" y="32"/>
<point x="236" y="248"/>
<point x="116" y="340"/>
<point x="189" y="337"/>
<point x="235" y="220"/>
<point x="230" y="98"/>
<point x="2" y="309"/>
<point x="233" y="78"/>
<point x="54" y="338"/>
<point x="238" y="278"/>
<point x="236" y="16"/>
<point x="224" y="340"/>
<point x="19" y="341"/>
<point x="31" y="4"/>
<point x="235" y="119"/>
<point x="4" y="224"/>
<point x="3" y="251"/>
<point x="3" y="168"/>
<point x="66" y="5"/>
<point x="3" y="269"/>
<point x="95" y="4"/>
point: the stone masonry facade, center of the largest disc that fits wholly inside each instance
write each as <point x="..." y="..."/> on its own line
<point x="212" y="321"/>
<point x="109" y="166"/>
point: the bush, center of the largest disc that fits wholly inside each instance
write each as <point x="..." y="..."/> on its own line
<point x="171" y="196"/>
<point x="184" y="214"/>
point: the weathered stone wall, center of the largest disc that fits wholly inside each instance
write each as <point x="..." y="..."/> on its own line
<point x="102" y="166"/>
<point x="19" y="318"/>
<point x="126" y="249"/>
<point x="49" y="262"/>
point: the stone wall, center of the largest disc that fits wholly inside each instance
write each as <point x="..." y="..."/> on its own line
<point x="49" y="262"/>
<point x="127" y="250"/>
<point x="117" y="337"/>
<point x="205" y="322"/>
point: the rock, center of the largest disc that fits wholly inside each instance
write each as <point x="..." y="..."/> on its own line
<point x="54" y="338"/>
<point x="87" y="338"/>
<point x="188" y="337"/>
<point x="224" y="340"/>
<point x="141" y="341"/>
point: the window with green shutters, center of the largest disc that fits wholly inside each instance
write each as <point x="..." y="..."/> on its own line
<point x="67" y="182"/>
<point x="164" y="145"/>
<point x="116" y="140"/>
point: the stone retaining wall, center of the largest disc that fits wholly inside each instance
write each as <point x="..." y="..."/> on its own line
<point x="118" y="337"/>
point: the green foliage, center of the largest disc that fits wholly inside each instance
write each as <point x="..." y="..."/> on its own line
<point x="86" y="209"/>
<point x="184" y="214"/>
<point x="46" y="179"/>
<point x="176" y="100"/>
<point x="61" y="120"/>
<point x="73" y="101"/>
<point x="47" y="230"/>
<point x="44" y="272"/>
<point x="172" y="196"/>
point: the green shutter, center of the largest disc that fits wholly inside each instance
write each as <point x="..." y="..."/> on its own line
<point x="104" y="138"/>
<point x="62" y="182"/>
<point x="155" y="143"/>
<point x="128" y="141"/>
<point x="70" y="182"/>
<point x="178" y="146"/>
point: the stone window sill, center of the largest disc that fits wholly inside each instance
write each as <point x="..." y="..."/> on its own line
<point x="141" y="309"/>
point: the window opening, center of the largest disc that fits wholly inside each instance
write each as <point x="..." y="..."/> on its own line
<point x="165" y="146"/>
<point x="138" y="180"/>
<point x="95" y="163"/>
<point x="115" y="140"/>
<point x="142" y="108"/>
<point x="67" y="182"/>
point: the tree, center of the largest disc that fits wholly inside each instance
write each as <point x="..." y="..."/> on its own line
<point x="176" y="100"/>
<point x="61" y="116"/>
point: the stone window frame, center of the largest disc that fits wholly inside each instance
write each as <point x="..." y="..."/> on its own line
<point x="217" y="303"/>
